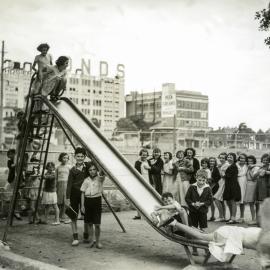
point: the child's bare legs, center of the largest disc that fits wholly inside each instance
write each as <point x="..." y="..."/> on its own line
<point x="62" y="209"/>
<point x="242" y="211"/>
<point x="97" y="235"/>
<point x="31" y="212"/>
<point x="229" y="204"/>
<point x="234" y="209"/>
<point x="74" y="229"/>
<point x="56" y="209"/>
<point x="46" y="214"/>
<point x="184" y="217"/>
<point x="212" y="207"/>
<point x="91" y="233"/>
<point x="220" y="206"/>
<point x="253" y="213"/>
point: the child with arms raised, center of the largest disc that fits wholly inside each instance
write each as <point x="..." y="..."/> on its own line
<point x="91" y="198"/>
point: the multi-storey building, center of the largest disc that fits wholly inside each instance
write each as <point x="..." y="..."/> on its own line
<point x="99" y="98"/>
<point x="191" y="112"/>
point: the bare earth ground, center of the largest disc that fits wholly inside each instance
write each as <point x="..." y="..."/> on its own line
<point x="140" y="248"/>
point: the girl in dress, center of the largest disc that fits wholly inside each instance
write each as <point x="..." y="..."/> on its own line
<point x="49" y="196"/>
<point x="143" y="167"/>
<point x="242" y="180"/>
<point x="168" y="179"/>
<point x="54" y="80"/>
<point x="250" y="194"/>
<point x="218" y="196"/>
<point x="213" y="182"/>
<point x="263" y="179"/>
<point x="61" y="173"/>
<point x="182" y="174"/>
<point x="232" y="192"/>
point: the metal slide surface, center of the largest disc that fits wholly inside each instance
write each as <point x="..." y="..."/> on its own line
<point x="120" y="171"/>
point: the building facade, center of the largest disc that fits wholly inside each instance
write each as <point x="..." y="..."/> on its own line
<point x="191" y="113"/>
<point x="100" y="99"/>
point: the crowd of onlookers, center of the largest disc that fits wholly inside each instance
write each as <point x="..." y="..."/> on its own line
<point x="233" y="180"/>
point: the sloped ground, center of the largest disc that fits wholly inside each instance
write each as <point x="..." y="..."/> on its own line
<point x="140" y="248"/>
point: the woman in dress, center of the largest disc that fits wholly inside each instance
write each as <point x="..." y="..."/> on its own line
<point x="242" y="180"/>
<point x="218" y="196"/>
<point x="182" y="174"/>
<point x="190" y="154"/>
<point x="168" y="179"/>
<point x="232" y="192"/>
<point x="250" y="195"/>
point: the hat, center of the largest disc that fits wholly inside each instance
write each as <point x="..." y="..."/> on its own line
<point x="42" y="45"/>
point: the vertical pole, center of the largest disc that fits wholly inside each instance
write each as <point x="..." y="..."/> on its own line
<point x="174" y="134"/>
<point x="2" y="93"/>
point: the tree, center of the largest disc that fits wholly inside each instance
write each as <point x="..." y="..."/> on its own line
<point x="264" y="22"/>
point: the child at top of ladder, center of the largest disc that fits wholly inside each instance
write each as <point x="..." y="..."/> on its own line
<point x="43" y="60"/>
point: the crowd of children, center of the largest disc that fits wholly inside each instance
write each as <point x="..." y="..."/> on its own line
<point x="230" y="180"/>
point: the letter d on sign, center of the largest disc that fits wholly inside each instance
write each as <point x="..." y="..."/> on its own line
<point x="103" y="65"/>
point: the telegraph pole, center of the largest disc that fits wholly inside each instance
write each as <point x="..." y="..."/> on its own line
<point x="2" y="93"/>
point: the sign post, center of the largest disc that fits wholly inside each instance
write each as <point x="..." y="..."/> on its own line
<point x="168" y="107"/>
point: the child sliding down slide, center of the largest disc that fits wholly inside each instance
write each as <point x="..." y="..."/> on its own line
<point x="229" y="240"/>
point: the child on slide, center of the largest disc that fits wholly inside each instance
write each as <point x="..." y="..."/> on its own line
<point x="171" y="208"/>
<point x="231" y="240"/>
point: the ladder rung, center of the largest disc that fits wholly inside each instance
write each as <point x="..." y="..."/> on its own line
<point x="35" y="163"/>
<point x="35" y="151"/>
<point x="35" y="175"/>
<point x="42" y="126"/>
<point x="33" y="138"/>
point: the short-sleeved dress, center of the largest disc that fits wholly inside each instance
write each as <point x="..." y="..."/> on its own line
<point x="242" y="180"/>
<point x="262" y="186"/>
<point x="62" y="172"/>
<point x="168" y="178"/>
<point x="221" y="183"/>
<point x="228" y="241"/>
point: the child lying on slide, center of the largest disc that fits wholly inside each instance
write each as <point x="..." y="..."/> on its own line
<point x="229" y="240"/>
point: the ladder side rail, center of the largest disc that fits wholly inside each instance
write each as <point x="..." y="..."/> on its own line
<point x="19" y="169"/>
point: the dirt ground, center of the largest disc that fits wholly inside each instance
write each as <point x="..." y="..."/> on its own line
<point x="141" y="247"/>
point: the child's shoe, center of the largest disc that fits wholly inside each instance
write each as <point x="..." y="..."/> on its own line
<point x="75" y="242"/>
<point x="98" y="245"/>
<point x="56" y="223"/>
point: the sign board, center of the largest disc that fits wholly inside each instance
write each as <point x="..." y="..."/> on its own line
<point x="168" y="102"/>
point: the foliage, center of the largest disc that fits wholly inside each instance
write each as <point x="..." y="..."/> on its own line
<point x="263" y="16"/>
<point x="133" y="123"/>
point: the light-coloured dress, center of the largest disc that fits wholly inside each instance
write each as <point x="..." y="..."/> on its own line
<point x="168" y="178"/>
<point x="62" y="172"/>
<point x="52" y="79"/>
<point x="242" y="180"/>
<point x="250" y="195"/>
<point x="221" y="183"/>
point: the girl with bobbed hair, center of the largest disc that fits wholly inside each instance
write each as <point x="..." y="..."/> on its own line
<point x="232" y="192"/>
<point x="242" y="180"/>
<point x="55" y="78"/>
<point x="218" y="196"/>
<point x="250" y="195"/>
<point x="190" y="154"/>
<point x="168" y="170"/>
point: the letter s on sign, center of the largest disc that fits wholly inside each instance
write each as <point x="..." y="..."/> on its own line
<point x="121" y="70"/>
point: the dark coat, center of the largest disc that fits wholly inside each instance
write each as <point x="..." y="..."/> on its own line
<point x="232" y="189"/>
<point x="196" y="167"/>
<point x="155" y="174"/>
<point x="215" y="177"/>
<point x="193" y="196"/>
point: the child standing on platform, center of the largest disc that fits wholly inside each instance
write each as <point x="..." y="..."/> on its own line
<point x="91" y="198"/>
<point x="76" y="176"/>
<point x="62" y="172"/>
<point x="49" y="196"/>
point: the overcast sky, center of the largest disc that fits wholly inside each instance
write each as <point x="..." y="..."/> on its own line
<point x="211" y="46"/>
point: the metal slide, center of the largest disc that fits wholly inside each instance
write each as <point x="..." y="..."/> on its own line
<point x="118" y="169"/>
